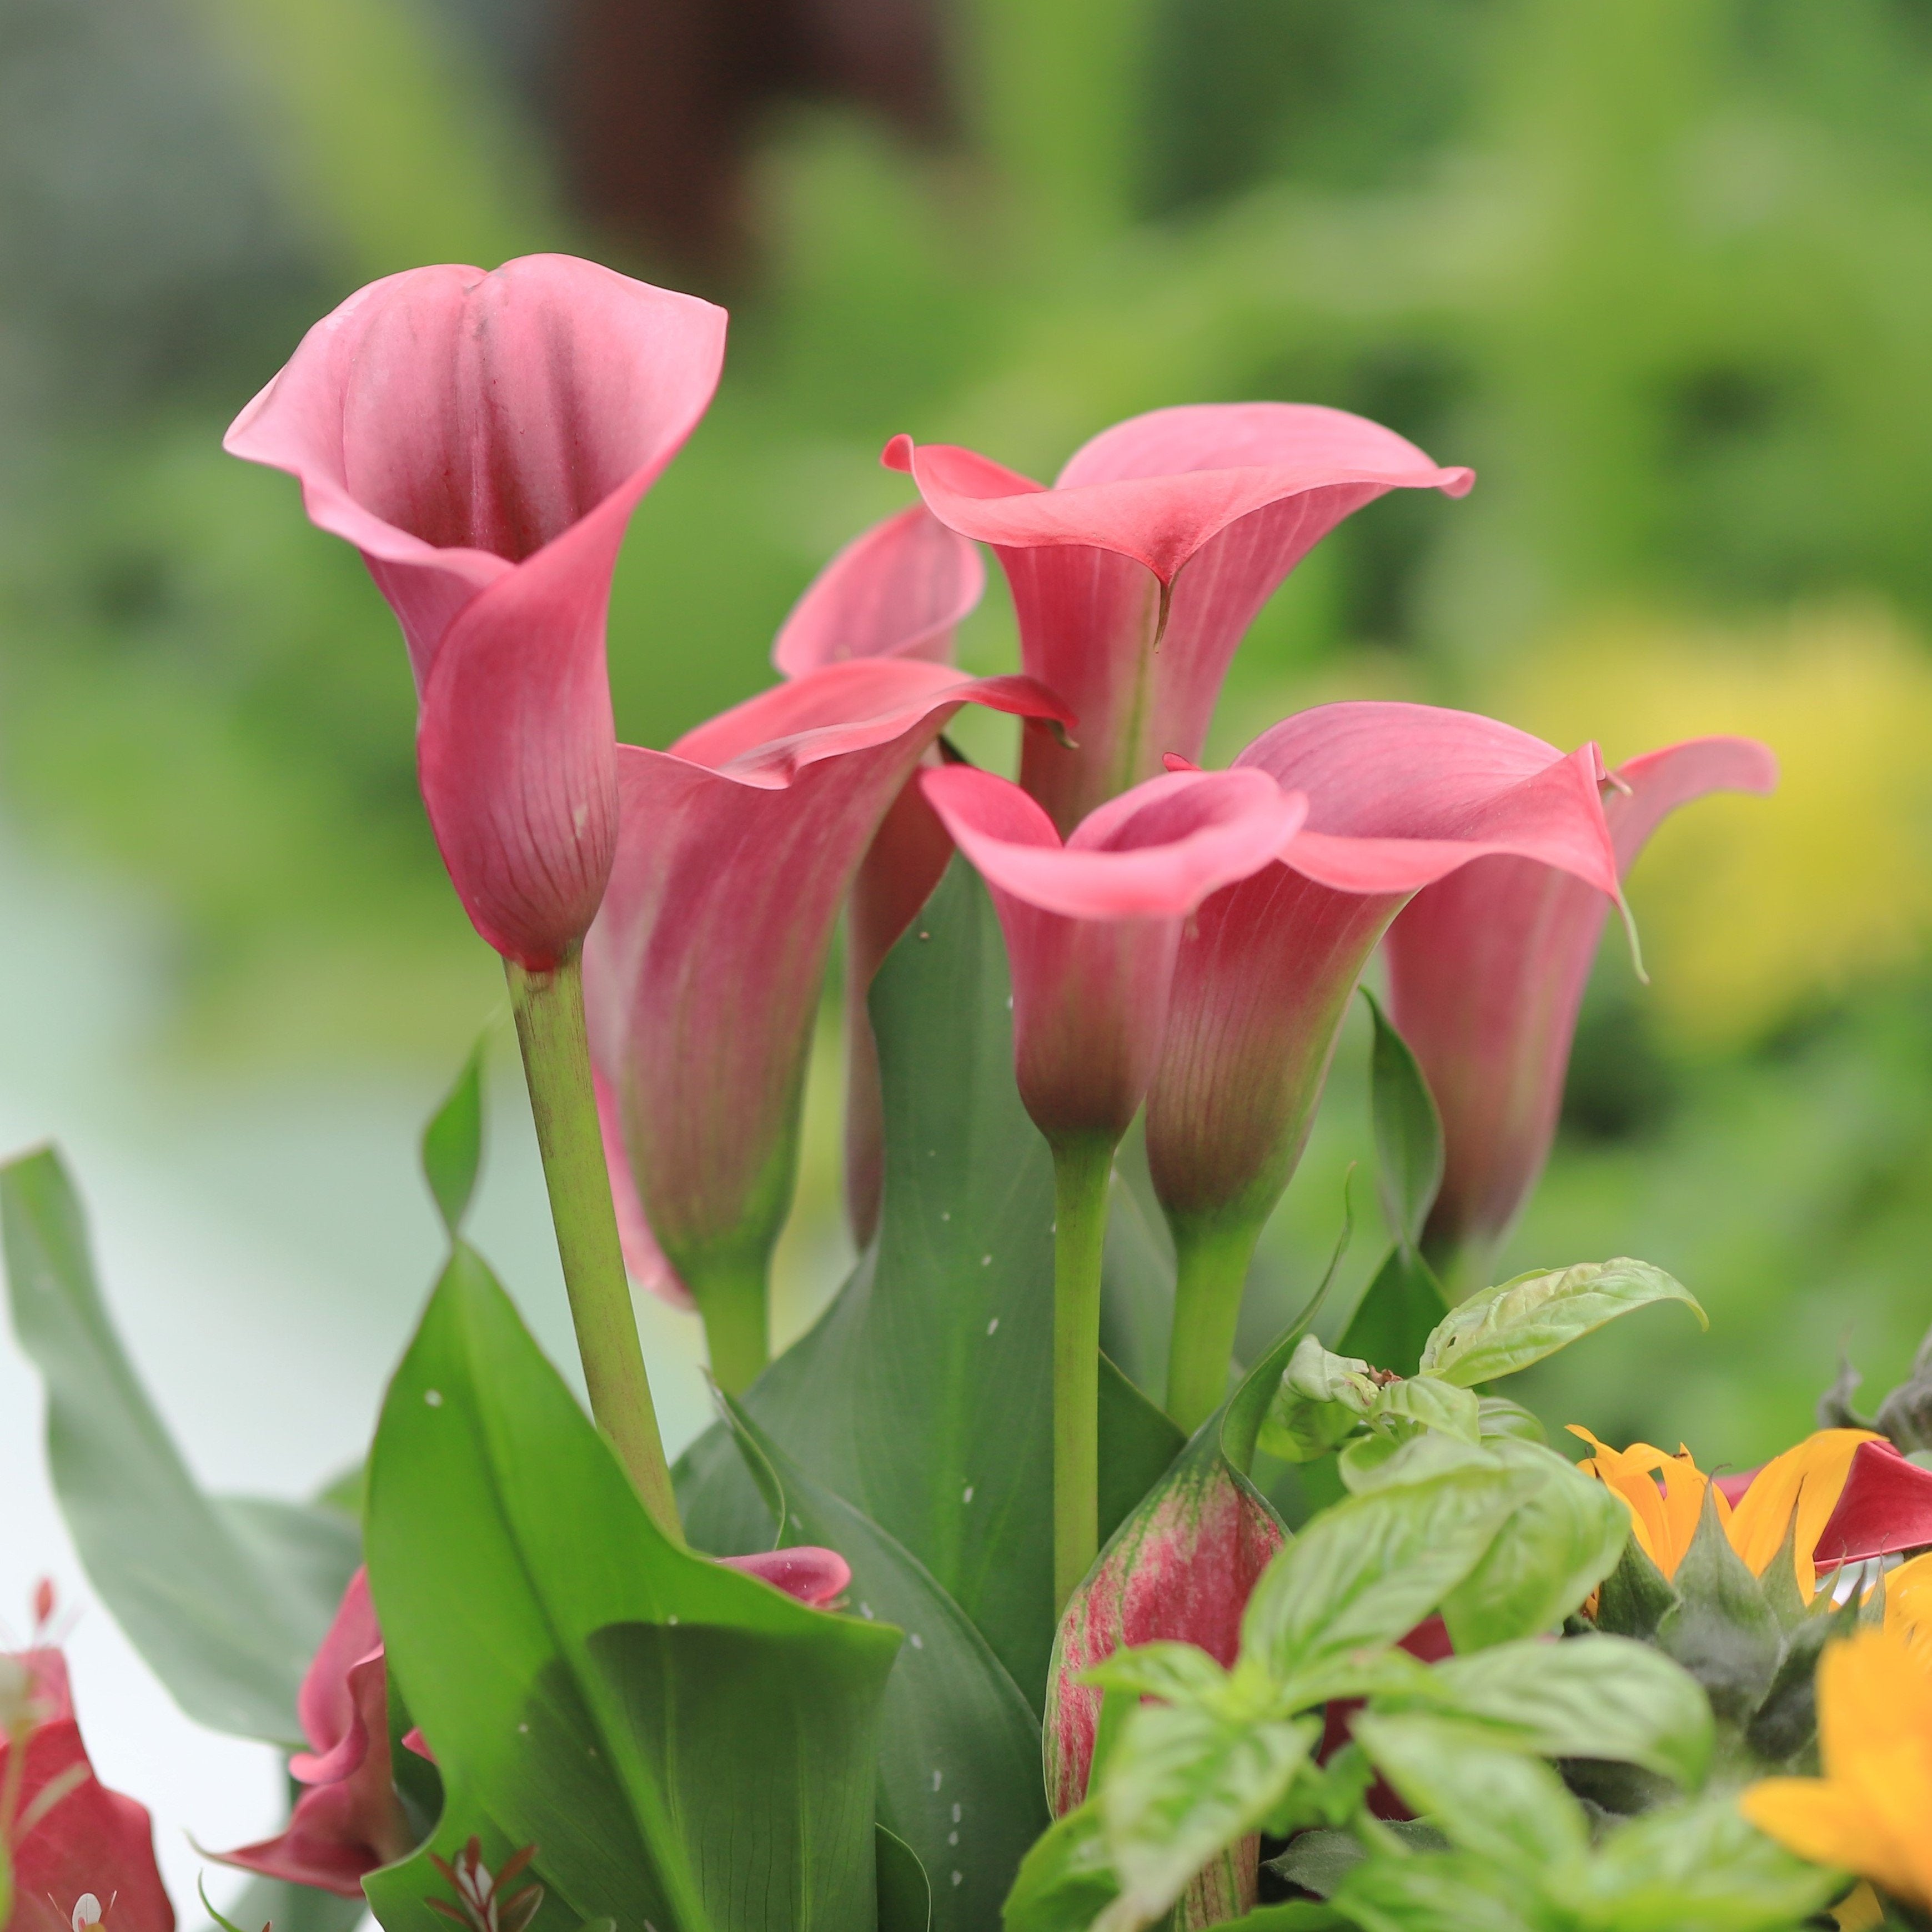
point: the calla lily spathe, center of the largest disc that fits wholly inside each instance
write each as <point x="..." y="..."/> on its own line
<point x="701" y="974"/>
<point x="482" y="440"/>
<point x="900" y="590"/>
<point x="1486" y="972"/>
<point x="73" y="1838"/>
<point x="1135" y="576"/>
<point x="1092" y="926"/>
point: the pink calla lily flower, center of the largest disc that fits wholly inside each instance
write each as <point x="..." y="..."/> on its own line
<point x="1399" y="796"/>
<point x="348" y="1821"/>
<point x="1884" y="1510"/>
<point x="74" y="1840"/>
<point x="482" y="440"/>
<point x="900" y="590"/>
<point x="1136" y="575"/>
<point x="1092" y="926"/>
<point x="737" y="848"/>
<point x="1486" y="973"/>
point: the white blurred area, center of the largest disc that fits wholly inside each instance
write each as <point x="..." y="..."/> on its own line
<point x="264" y="1251"/>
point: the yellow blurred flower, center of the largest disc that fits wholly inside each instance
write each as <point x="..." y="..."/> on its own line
<point x="1908" y="1611"/>
<point x="1871" y="1812"/>
<point x="1750" y="907"/>
<point x="1804" y="1484"/>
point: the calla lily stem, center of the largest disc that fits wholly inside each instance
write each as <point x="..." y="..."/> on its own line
<point x="1081" y="1169"/>
<point x="1211" y="1272"/>
<point x="549" y="1007"/>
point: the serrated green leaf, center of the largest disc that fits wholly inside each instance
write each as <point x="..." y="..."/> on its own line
<point x="1591" y="1697"/>
<point x="1409" y="1133"/>
<point x="1506" y="1328"/>
<point x="452" y="1142"/>
<point x="1564" y="1540"/>
<point x="1498" y="1804"/>
<point x="1365" y="1572"/>
<point x="681" y="1743"/>
<point x="226" y="1599"/>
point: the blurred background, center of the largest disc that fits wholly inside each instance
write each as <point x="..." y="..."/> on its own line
<point x="1661" y="271"/>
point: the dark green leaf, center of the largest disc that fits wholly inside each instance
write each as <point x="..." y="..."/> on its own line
<point x="226" y="1600"/>
<point x="1592" y="1696"/>
<point x="1409" y="1135"/>
<point x="1506" y="1328"/>
<point x="681" y="1743"/>
<point x="1784" y="1727"/>
<point x="1635" y="1596"/>
<point x="958" y="1772"/>
<point x="1721" y="1630"/>
<point x="1318" y="1861"/>
<point x="1138" y="1443"/>
<point x="452" y="1143"/>
<point x="1397" y="1313"/>
<point x="1565" y="1539"/>
<point x="905" y="1893"/>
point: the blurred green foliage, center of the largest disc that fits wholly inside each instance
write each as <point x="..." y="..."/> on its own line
<point x="1660" y="270"/>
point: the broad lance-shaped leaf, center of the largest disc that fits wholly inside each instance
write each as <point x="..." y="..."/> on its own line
<point x="225" y="1598"/>
<point x="958" y="1777"/>
<point x="923" y="1396"/>
<point x="682" y="1744"/>
<point x="1506" y="1327"/>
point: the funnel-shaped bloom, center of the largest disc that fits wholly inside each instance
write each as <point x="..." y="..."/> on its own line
<point x="1486" y="971"/>
<point x="899" y="590"/>
<point x="701" y="974"/>
<point x="348" y="1820"/>
<point x="1092" y="926"/>
<point x="1399" y="795"/>
<point x="482" y="440"/>
<point x="1134" y="576"/>
<point x="72" y="1836"/>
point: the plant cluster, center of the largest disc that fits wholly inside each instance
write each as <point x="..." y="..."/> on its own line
<point x="947" y="1622"/>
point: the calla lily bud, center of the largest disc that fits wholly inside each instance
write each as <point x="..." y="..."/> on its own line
<point x="1092" y="926"/>
<point x="1135" y="576"/>
<point x="1486" y="972"/>
<point x="482" y="440"/>
<point x="737" y="848"/>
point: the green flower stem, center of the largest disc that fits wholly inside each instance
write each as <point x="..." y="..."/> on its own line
<point x="1081" y="1171"/>
<point x="1212" y="1270"/>
<point x="549" y="1008"/>
<point x="733" y="1307"/>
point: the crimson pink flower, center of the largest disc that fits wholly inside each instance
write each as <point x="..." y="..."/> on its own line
<point x="72" y="1836"/>
<point x="1884" y="1510"/>
<point x="899" y="590"/>
<point x="1399" y="795"/>
<point x="701" y="973"/>
<point x="482" y="440"/>
<point x="348" y="1820"/>
<point x="1486" y="972"/>
<point x="1135" y="576"/>
<point x="1092" y="926"/>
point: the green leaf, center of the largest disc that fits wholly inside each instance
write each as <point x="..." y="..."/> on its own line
<point x="1185" y="1784"/>
<point x="1591" y="1697"/>
<point x="1501" y="1420"/>
<point x="1784" y="1727"/>
<point x="1366" y="1571"/>
<point x="1565" y="1539"/>
<point x="1066" y="1881"/>
<point x="1318" y="1861"/>
<point x="1138" y="1443"/>
<point x="1506" y="1328"/>
<point x="1636" y="1596"/>
<point x="1500" y="1804"/>
<point x="905" y="1893"/>
<point x="1698" y="1868"/>
<point x="1136" y="1281"/>
<point x="452" y="1143"/>
<point x="1451" y="1892"/>
<point x="1720" y="1629"/>
<point x="681" y="1743"/>
<point x="225" y="1599"/>
<point x="1294" y="1915"/>
<point x="1409" y="1135"/>
<point x="1430" y="1402"/>
<point x="959" y="1750"/>
<point x="1397" y="1313"/>
<point x="924" y="1394"/>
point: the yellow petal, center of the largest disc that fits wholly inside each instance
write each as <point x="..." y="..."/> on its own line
<point x="1908" y="1607"/>
<point x="1685" y="1487"/>
<point x="1627" y="1473"/>
<point x="1814" y="1817"/>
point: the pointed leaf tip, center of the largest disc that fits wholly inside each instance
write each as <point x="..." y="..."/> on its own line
<point x="452" y="1142"/>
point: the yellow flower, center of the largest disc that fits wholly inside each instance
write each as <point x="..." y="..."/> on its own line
<point x="1871" y="1812"/>
<point x="1908" y="1610"/>
<point x="1805" y="1482"/>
